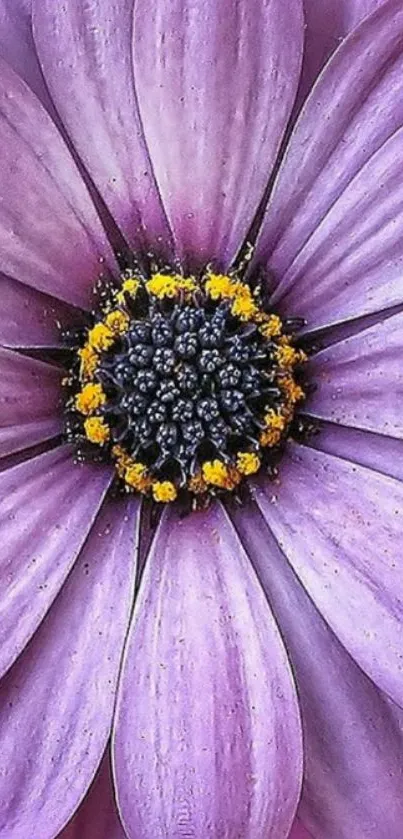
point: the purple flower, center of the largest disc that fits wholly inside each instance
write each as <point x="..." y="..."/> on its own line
<point x="241" y="663"/>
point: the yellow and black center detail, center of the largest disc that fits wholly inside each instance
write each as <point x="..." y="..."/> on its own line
<point x="186" y="384"/>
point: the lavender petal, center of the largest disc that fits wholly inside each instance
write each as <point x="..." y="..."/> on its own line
<point x="331" y="237"/>
<point x="56" y="704"/>
<point x="50" y="235"/>
<point x="339" y="525"/>
<point x="207" y="740"/>
<point x="215" y="92"/>
<point x="360" y="380"/>
<point x="353" y="744"/>
<point x="85" y="52"/>
<point x="48" y="505"/>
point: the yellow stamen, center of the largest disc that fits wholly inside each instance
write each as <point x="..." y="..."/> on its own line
<point x="215" y="472"/>
<point x="169" y="285"/>
<point x="129" y="287"/>
<point x="90" y="398"/>
<point x="291" y="389"/>
<point x="247" y="463"/>
<point x="100" y="337"/>
<point x="117" y="321"/>
<point x="287" y="356"/>
<point x="244" y="306"/>
<point x="123" y="460"/>
<point x="89" y="361"/>
<point x="270" y="438"/>
<point x="96" y="430"/>
<point x="197" y="484"/>
<point x="164" y="491"/>
<point x="187" y="284"/>
<point x="271" y="326"/>
<point x="275" y="425"/>
<point x="218" y="286"/>
<point x="136" y="477"/>
<point x="223" y="287"/>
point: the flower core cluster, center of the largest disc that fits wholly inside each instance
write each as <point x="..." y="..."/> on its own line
<point x="186" y="384"/>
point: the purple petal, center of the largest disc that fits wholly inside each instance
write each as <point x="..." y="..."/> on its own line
<point x="215" y="87"/>
<point x="383" y="454"/>
<point x="17" y="44"/>
<point x="48" y="506"/>
<point x="360" y="379"/>
<point x="207" y="739"/>
<point x="29" y="318"/>
<point x="339" y="524"/>
<point x="97" y="817"/>
<point x="332" y="243"/>
<point x="57" y="701"/>
<point x="353" y="748"/>
<point x="18" y="438"/>
<point x="353" y="261"/>
<point x="50" y="235"/>
<point x="29" y="398"/>
<point x="85" y="51"/>
<point x="327" y="23"/>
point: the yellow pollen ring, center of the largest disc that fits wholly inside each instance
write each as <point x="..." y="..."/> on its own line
<point x="245" y="305"/>
<point x="223" y="287"/>
<point x="288" y="356"/>
<point x="117" y="321"/>
<point x="270" y="325"/>
<point x="96" y="430"/>
<point x="90" y="398"/>
<point x="275" y="425"/>
<point x="247" y="463"/>
<point x="219" y="286"/>
<point x="100" y="337"/>
<point x="164" y="491"/>
<point x="197" y="485"/>
<point x="293" y="392"/>
<point x="216" y="473"/>
<point x="130" y="286"/>
<point x="170" y="285"/>
<point x="89" y="360"/>
<point x="136" y="476"/>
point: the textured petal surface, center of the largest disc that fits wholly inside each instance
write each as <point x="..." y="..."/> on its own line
<point x="18" y="438"/>
<point x="215" y="88"/>
<point x="335" y="247"/>
<point x="383" y="454"/>
<point x="48" y="506"/>
<point x="17" y="45"/>
<point x="354" y="259"/>
<point x="50" y="235"/>
<point x="207" y="739"/>
<point x="97" y="816"/>
<point x="56" y="703"/>
<point x="353" y="747"/>
<point x="327" y="22"/>
<point x="360" y="380"/>
<point x="86" y="54"/>
<point x="29" y="318"/>
<point x="340" y="526"/>
<point x="29" y="398"/>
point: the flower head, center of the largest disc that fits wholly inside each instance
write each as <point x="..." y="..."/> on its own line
<point x="200" y="435"/>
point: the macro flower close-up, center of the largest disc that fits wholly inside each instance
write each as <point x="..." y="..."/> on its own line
<point x="201" y="470"/>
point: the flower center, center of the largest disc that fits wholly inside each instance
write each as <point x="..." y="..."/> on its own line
<point x="186" y="384"/>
